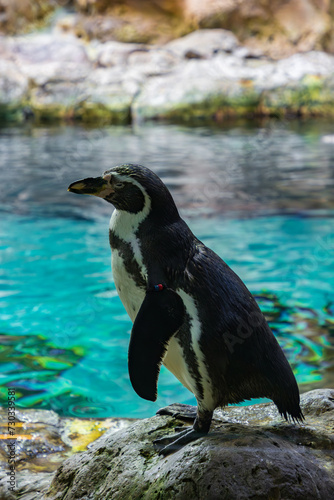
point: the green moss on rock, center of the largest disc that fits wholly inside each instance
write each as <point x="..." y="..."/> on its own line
<point x="313" y="96"/>
<point x="215" y="107"/>
<point x="99" y="113"/>
<point x="11" y="114"/>
<point x="78" y="107"/>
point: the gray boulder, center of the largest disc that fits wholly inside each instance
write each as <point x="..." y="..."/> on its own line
<point x="204" y="75"/>
<point x="205" y="43"/>
<point x="115" y="53"/>
<point x="249" y="453"/>
<point x="231" y="85"/>
<point x="13" y="85"/>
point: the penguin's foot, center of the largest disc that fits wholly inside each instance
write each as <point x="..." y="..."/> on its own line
<point x="201" y="427"/>
<point x="183" y="412"/>
<point x="170" y="444"/>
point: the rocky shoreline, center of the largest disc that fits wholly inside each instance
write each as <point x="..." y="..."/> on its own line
<point x="204" y="76"/>
<point x="250" y="453"/>
<point x="43" y="440"/>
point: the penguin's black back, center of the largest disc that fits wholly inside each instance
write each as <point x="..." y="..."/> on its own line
<point x="243" y="357"/>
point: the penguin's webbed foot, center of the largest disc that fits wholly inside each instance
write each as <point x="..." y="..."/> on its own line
<point x="170" y="444"/>
<point x="184" y="412"/>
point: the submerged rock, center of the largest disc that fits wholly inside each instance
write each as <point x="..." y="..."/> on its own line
<point x="249" y="453"/>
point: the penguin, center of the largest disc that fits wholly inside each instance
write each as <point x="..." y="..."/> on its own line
<point x="190" y="311"/>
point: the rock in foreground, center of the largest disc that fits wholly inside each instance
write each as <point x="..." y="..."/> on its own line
<point x="43" y="440"/>
<point x="249" y="453"/>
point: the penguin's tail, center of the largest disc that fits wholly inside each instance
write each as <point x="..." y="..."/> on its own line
<point x="290" y="410"/>
<point x="285" y="392"/>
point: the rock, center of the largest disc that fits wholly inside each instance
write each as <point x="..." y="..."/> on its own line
<point x="279" y="28"/>
<point x="139" y="59"/>
<point x="115" y="53"/>
<point x="152" y="21"/>
<point x="304" y="18"/>
<point x="104" y="5"/>
<point x="17" y="16"/>
<point x="227" y="85"/>
<point x="42" y="74"/>
<point x="31" y="486"/>
<point x="205" y="42"/>
<point x="58" y="70"/>
<point x="150" y="63"/>
<point x="43" y="58"/>
<point x="45" y="48"/>
<point x="43" y="441"/>
<point x="203" y="76"/>
<point x="249" y="453"/>
<point x="13" y="91"/>
<point x="319" y="402"/>
<point x="13" y="85"/>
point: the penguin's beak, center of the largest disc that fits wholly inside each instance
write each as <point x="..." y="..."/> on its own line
<point x="92" y="185"/>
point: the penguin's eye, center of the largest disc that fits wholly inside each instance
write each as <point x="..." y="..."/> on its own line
<point x="119" y="185"/>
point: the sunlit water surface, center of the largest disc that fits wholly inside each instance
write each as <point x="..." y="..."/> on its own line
<point x="262" y="198"/>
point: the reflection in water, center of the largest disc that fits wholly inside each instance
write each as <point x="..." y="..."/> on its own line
<point x="32" y="364"/>
<point x="307" y="338"/>
<point x="262" y="198"/>
<point x="280" y="167"/>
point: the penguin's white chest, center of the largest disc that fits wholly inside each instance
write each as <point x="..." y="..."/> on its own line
<point x="124" y="225"/>
<point x="129" y="292"/>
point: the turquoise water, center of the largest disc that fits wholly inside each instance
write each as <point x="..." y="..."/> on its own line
<point x="57" y="284"/>
<point x="64" y="332"/>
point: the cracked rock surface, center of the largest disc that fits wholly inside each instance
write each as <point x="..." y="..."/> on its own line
<point x="250" y="453"/>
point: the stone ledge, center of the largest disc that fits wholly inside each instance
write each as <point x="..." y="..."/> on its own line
<point x="250" y="453"/>
<point x="204" y="76"/>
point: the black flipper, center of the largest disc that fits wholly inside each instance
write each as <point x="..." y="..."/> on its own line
<point x="159" y="317"/>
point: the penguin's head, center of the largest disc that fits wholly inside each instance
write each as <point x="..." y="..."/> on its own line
<point x="130" y="188"/>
